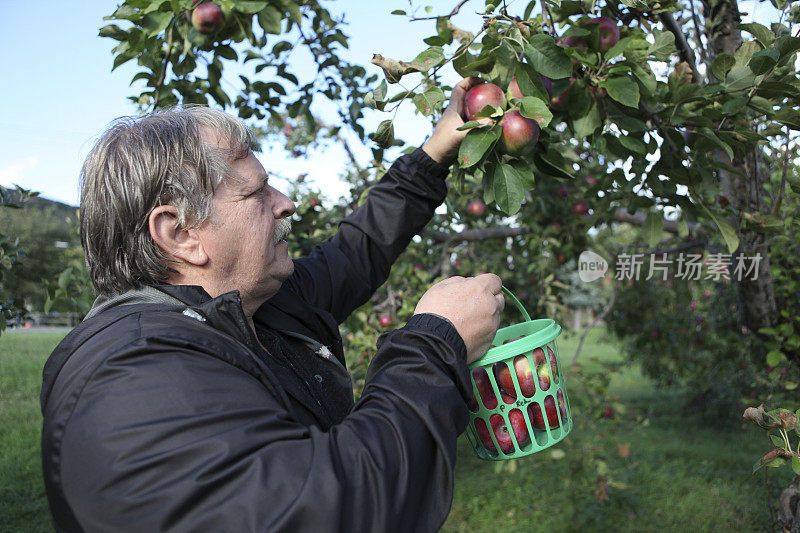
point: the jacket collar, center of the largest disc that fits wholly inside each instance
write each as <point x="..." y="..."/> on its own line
<point x="223" y="313"/>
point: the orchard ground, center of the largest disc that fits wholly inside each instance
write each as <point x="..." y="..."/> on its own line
<point x="654" y="466"/>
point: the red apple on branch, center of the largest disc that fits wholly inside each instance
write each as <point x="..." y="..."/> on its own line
<point x="482" y="95"/>
<point x="476" y="208"/>
<point x="519" y="133"/>
<point x="580" y="208"/>
<point x="560" y="100"/>
<point x="385" y="320"/>
<point x="208" y="18"/>
<point x="608" y="32"/>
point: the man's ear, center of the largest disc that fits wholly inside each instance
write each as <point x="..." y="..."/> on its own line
<point x="178" y="242"/>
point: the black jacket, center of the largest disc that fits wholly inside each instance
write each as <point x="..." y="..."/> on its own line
<point x="163" y="412"/>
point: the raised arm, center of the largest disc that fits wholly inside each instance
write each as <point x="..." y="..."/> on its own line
<point x="344" y="271"/>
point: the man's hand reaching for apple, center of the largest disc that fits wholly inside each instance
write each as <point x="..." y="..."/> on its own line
<point x="445" y="140"/>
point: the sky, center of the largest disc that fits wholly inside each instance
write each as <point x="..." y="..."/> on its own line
<point x="60" y="92"/>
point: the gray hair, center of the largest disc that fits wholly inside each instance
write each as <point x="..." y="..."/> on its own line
<point x="138" y="164"/>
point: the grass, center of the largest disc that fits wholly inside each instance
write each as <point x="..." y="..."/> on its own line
<point x="23" y="505"/>
<point x="681" y="473"/>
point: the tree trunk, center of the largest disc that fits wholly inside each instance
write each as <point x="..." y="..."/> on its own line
<point x="789" y="507"/>
<point x="746" y="191"/>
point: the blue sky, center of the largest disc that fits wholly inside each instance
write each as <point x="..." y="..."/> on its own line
<point x="60" y="92"/>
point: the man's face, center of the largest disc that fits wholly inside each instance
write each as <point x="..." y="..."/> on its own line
<point x="244" y="235"/>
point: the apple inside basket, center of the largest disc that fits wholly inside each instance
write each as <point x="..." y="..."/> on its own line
<point x="520" y="405"/>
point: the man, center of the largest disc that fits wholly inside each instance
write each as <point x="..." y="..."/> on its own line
<point x="206" y="389"/>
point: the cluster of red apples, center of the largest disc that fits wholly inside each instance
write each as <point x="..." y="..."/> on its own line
<point x="519" y="133"/>
<point x="545" y="370"/>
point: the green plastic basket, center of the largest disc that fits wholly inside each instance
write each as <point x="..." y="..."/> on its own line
<point x="529" y="416"/>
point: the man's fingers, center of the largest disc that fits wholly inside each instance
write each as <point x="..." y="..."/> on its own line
<point x="501" y="300"/>
<point x="491" y="281"/>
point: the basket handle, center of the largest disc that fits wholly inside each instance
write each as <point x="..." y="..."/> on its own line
<point x="516" y="302"/>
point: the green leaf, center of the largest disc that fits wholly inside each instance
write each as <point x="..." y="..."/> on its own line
<point x="734" y="106"/>
<point x="547" y="57"/>
<point x="760" y="32"/>
<point x="508" y="190"/>
<point x="633" y="42"/>
<point x="762" y="61"/>
<point x="398" y="12"/>
<point x="469" y="125"/>
<point x="536" y="109"/>
<point x="653" y="228"/>
<point x="646" y="78"/>
<point x="428" y="59"/>
<point x="114" y="32"/>
<point x="384" y="135"/>
<point x="476" y="144"/>
<point x="586" y="124"/>
<point x="787" y="45"/>
<point x="376" y="98"/>
<point x="721" y="65"/>
<point x="774" y="357"/>
<point x="623" y="89"/>
<point x="525" y="173"/>
<point x="226" y="52"/>
<point x="154" y="23"/>
<point x="777" y="440"/>
<point x="250" y="6"/>
<point x="683" y="227"/>
<point x="716" y="141"/>
<point x="728" y="233"/>
<point x="743" y="54"/>
<point x="739" y="78"/>
<point x="530" y="83"/>
<point x="796" y="465"/>
<point x="428" y="101"/>
<point x="633" y="144"/>
<point x="663" y="46"/>
<point x="468" y="65"/>
<point x="270" y="20"/>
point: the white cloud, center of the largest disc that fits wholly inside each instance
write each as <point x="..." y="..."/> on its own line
<point x="14" y="173"/>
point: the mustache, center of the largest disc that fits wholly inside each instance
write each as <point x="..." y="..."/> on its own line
<point x="282" y="230"/>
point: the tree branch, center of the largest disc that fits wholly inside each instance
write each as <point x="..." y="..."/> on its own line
<point x="685" y="51"/>
<point x="703" y="50"/>
<point x="620" y="215"/>
<point x="784" y="171"/>
<point x="597" y="319"/>
<point x="164" y="64"/>
<point x="453" y="13"/>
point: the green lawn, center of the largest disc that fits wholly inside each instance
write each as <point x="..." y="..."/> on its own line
<point x="23" y="505"/>
<point x="681" y="474"/>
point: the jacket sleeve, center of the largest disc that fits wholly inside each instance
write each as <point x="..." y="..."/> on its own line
<point x="344" y="271"/>
<point x="220" y="453"/>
